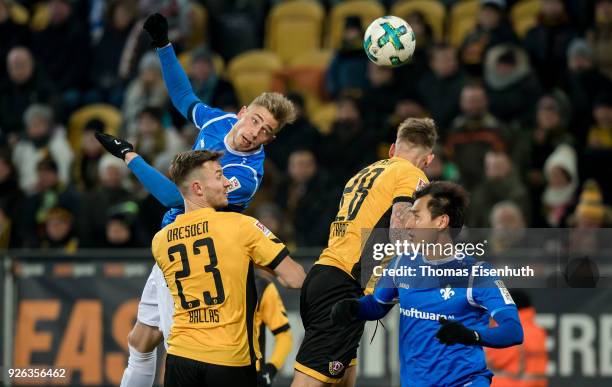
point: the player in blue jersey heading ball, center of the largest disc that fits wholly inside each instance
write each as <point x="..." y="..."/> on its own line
<point x="444" y="319"/>
<point x="239" y="136"/>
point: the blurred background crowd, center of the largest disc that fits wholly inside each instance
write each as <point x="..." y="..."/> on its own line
<point x="521" y="91"/>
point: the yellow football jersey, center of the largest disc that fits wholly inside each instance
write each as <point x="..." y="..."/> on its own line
<point x="207" y="259"/>
<point x="271" y="313"/>
<point x="366" y="204"/>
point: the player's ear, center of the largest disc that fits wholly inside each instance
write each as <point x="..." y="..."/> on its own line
<point x="442" y="222"/>
<point x="392" y="150"/>
<point x="241" y="112"/>
<point x="429" y="159"/>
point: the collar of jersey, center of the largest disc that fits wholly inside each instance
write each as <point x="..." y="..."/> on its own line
<point x="197" y="212"/>
<point x="238" y="153"/>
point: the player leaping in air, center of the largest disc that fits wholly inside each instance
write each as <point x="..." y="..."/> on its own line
<point x="240" y="136"/>
<point x="444" y="321"/>
<point x="379" y="196"/>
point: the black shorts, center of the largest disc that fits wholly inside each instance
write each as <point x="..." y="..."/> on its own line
<point x="184" y="372"/>
<point x="327" y="350"/>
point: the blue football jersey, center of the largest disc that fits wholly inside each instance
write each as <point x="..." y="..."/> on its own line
<point x="424" y="298"/>
<point x="244" y="170"/>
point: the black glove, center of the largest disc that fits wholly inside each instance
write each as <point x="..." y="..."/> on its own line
<point x="115" y="146"/>
<point x="266" y="375"/>
<point x="345" y="311"/>
<point x="453" y="332"/>
<point x="156" y="26"/>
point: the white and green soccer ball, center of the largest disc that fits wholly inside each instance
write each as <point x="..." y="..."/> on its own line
<point x="389" y="41"/>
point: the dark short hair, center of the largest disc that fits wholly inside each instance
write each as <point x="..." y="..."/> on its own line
<point x="446" y="199"/>
<point x="185" y="162"/>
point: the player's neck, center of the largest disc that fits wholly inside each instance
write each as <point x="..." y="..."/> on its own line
<point x="415" y="156"/>
<point x="195" y="204"/>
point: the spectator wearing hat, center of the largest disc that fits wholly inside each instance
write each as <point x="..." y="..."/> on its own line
<point x="590" y="218"/>
<point x="348" y="67"/>
<point x="547" y="42"/>
<point x="512" y="87"/>
<point x="600" y="37"/>
<point x="59" y="231"/>
<point x="147" y="90"/>
<point x="600" y="134"/>
<point x="559" y="197"/>
<point x="26" y="84"/>
<point x="492" y="28"/>
<point x="441" y="86"/>
<point x="42" y="139"/>
<point x="583" y="83"/>
<point x="207" y="85"/>
<point x="122" y="230"/>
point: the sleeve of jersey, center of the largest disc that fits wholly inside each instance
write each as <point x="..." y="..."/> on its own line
<point x="273" y="314"/>
<point x="508" y="331"/>
<point x="406" y="184"/>
<point x="264" y="247"/>
<point x="177" y="83"/>
<point x="371" y="308"/>
<point x="490" y="293"/>
<point x="272" y="309"/>
<point x="164" y="190"/>
<point x="243" y="184"/>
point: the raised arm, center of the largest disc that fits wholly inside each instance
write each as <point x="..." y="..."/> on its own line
<point x="154" y="181"/>
<point x="178" y="86"/>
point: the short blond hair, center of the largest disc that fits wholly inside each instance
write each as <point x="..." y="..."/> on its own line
<point x="418" y="131"/>
<point x="279" y="106"/>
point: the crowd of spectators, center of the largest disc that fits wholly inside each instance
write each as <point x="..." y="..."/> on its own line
<point x="525" y="124"/>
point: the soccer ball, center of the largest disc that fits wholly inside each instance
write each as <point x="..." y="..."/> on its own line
<point x="389" y="41"/>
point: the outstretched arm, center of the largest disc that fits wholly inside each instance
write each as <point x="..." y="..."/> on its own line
<point x="179" y="89"/>
<point x="164" y="190"/>
<point x="176" y="80"/>
<point x="157" y="184"/>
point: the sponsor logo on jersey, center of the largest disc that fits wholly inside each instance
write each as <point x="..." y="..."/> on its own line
<point x="263" y="228"/>
<point x="420" y="184"/>
<point x="447" y="292"/>
<point x="415" y="313"/>
<point x="234" y="184"/>
<point x="335" y="367"/>
<point x="504" y="292"/>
